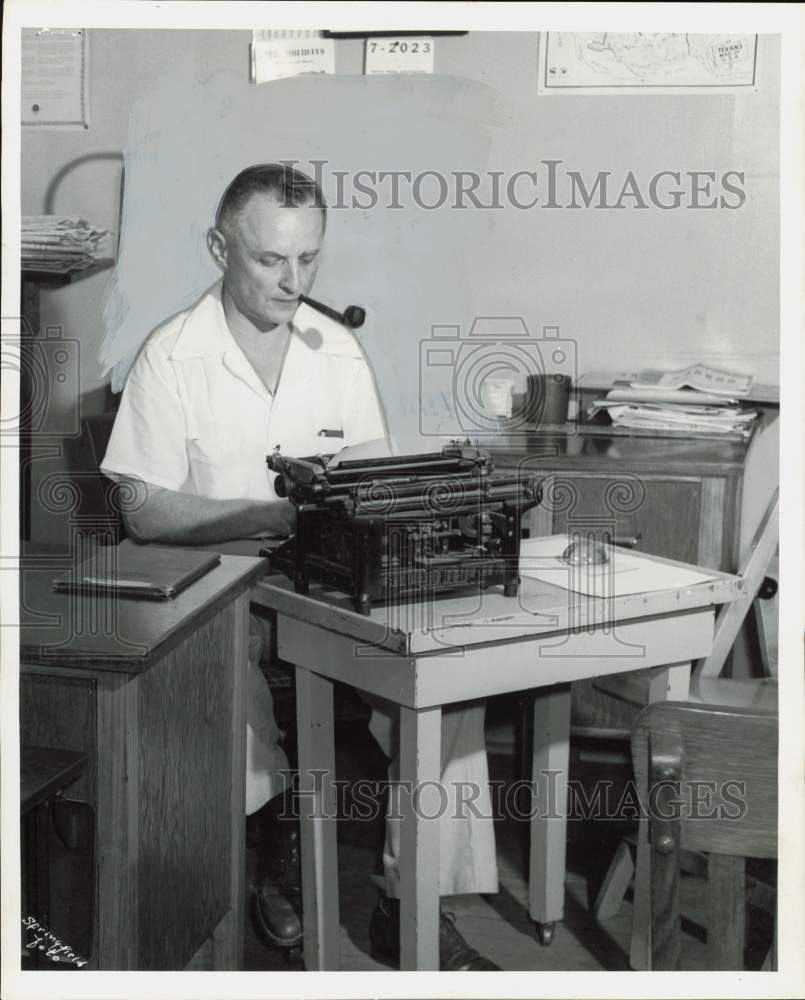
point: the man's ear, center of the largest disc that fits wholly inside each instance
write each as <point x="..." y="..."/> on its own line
<point x="216" y="244"/>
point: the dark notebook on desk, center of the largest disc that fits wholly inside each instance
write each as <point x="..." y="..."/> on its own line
<point x="138" y="571"/>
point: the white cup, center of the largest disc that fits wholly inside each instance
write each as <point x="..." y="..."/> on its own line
<point x="497" y="396"/>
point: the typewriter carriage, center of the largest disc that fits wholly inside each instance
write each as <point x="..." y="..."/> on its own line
<point x="403" y="528"/>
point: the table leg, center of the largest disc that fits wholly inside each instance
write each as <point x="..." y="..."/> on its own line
<point x="546" y="884"/>
<point x="669" y="684"/>
<point x="317" y="813"/>
<point x="420" y="771"/>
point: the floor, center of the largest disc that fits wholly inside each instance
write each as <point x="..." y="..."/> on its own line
<point x="499" y="926"/>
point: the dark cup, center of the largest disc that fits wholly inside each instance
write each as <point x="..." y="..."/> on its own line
<point x="547" y="399"/>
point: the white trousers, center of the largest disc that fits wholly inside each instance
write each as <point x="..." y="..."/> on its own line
<point x="466" y="833"/>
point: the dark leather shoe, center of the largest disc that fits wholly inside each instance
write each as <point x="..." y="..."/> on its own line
<point x="455" y="955"/>
<point x="277" y="895"/>
<point x="277" y="914"/>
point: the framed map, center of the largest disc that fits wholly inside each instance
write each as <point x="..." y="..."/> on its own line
<point x="607" y="62"/>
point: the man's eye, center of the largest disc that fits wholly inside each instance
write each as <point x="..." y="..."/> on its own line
<point x="308" y="258"/>
<point x="270" y="261"/>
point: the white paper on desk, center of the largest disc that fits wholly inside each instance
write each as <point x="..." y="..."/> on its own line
<point x="625" y="573"/>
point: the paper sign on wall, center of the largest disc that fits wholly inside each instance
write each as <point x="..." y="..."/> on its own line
<point x="276" y="58"/>
<point x="399" y="55"/>
<point x="55" y="74"/>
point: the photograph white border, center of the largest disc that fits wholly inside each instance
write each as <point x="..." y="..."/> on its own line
<point x="774" y="18"/>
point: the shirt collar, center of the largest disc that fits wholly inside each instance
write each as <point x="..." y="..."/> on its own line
<point x="205" y="331"/>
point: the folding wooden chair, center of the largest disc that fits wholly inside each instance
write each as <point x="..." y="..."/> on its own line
<point x="731" y="616"/>
<point x="677" y="751"/>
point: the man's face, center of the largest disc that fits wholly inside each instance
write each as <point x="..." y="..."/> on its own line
<point x="271" y="258"/>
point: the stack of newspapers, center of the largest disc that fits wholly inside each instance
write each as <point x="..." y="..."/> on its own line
<point x="58" y="244"/>
<point x="697" y="399"/>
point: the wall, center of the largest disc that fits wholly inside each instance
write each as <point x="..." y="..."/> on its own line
<point x="630" y="287"/>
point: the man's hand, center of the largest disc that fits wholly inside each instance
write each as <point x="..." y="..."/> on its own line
<point x="281" y="518"/>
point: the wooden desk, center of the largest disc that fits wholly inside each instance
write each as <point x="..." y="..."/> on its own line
<point x="423" y="656"/>
<point x="698" y="500"/>
<point x="153" y="693"/>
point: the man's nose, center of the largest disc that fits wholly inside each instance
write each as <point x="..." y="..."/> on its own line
<point x="290" y="277"/>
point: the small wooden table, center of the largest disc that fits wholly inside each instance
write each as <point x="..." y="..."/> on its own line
<point x="424" y="656"/>
<point x="153" y="692"/>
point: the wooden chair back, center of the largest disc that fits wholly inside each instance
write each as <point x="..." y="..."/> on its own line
<point x="707" y="780"/>
<point x="96" y="431"/>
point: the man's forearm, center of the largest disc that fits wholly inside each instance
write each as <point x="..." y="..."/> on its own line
<point x="182" y="519"/>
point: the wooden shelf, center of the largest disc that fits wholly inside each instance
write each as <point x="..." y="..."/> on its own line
<point x="51" y="279"/>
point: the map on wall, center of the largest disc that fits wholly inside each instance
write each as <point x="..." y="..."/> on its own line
<point x="597" y="62"/>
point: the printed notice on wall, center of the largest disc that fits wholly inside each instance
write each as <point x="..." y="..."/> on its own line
<point x="55" y="78"/>
<point x="298" y="53"/>
<point x="398" y="55"/>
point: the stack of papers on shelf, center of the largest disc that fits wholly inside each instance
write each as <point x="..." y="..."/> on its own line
<point x="694" y="400"/>
<point x="698" y="377"/>
<point x="59" y="244"/>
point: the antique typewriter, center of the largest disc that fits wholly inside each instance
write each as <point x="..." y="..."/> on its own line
<point x="402" y="528"/>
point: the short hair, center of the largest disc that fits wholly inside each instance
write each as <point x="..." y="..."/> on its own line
<point x="291" y="188"/>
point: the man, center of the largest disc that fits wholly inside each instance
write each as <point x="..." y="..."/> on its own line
<point x="213" y="391"/>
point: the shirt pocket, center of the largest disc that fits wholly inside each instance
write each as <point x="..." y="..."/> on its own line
<point x="297" y="425"/>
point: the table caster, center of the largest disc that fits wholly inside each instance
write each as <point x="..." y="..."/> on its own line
<point x="545" y="933"/>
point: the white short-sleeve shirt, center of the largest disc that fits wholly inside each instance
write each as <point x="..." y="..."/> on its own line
<point x="195" y="417"/>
